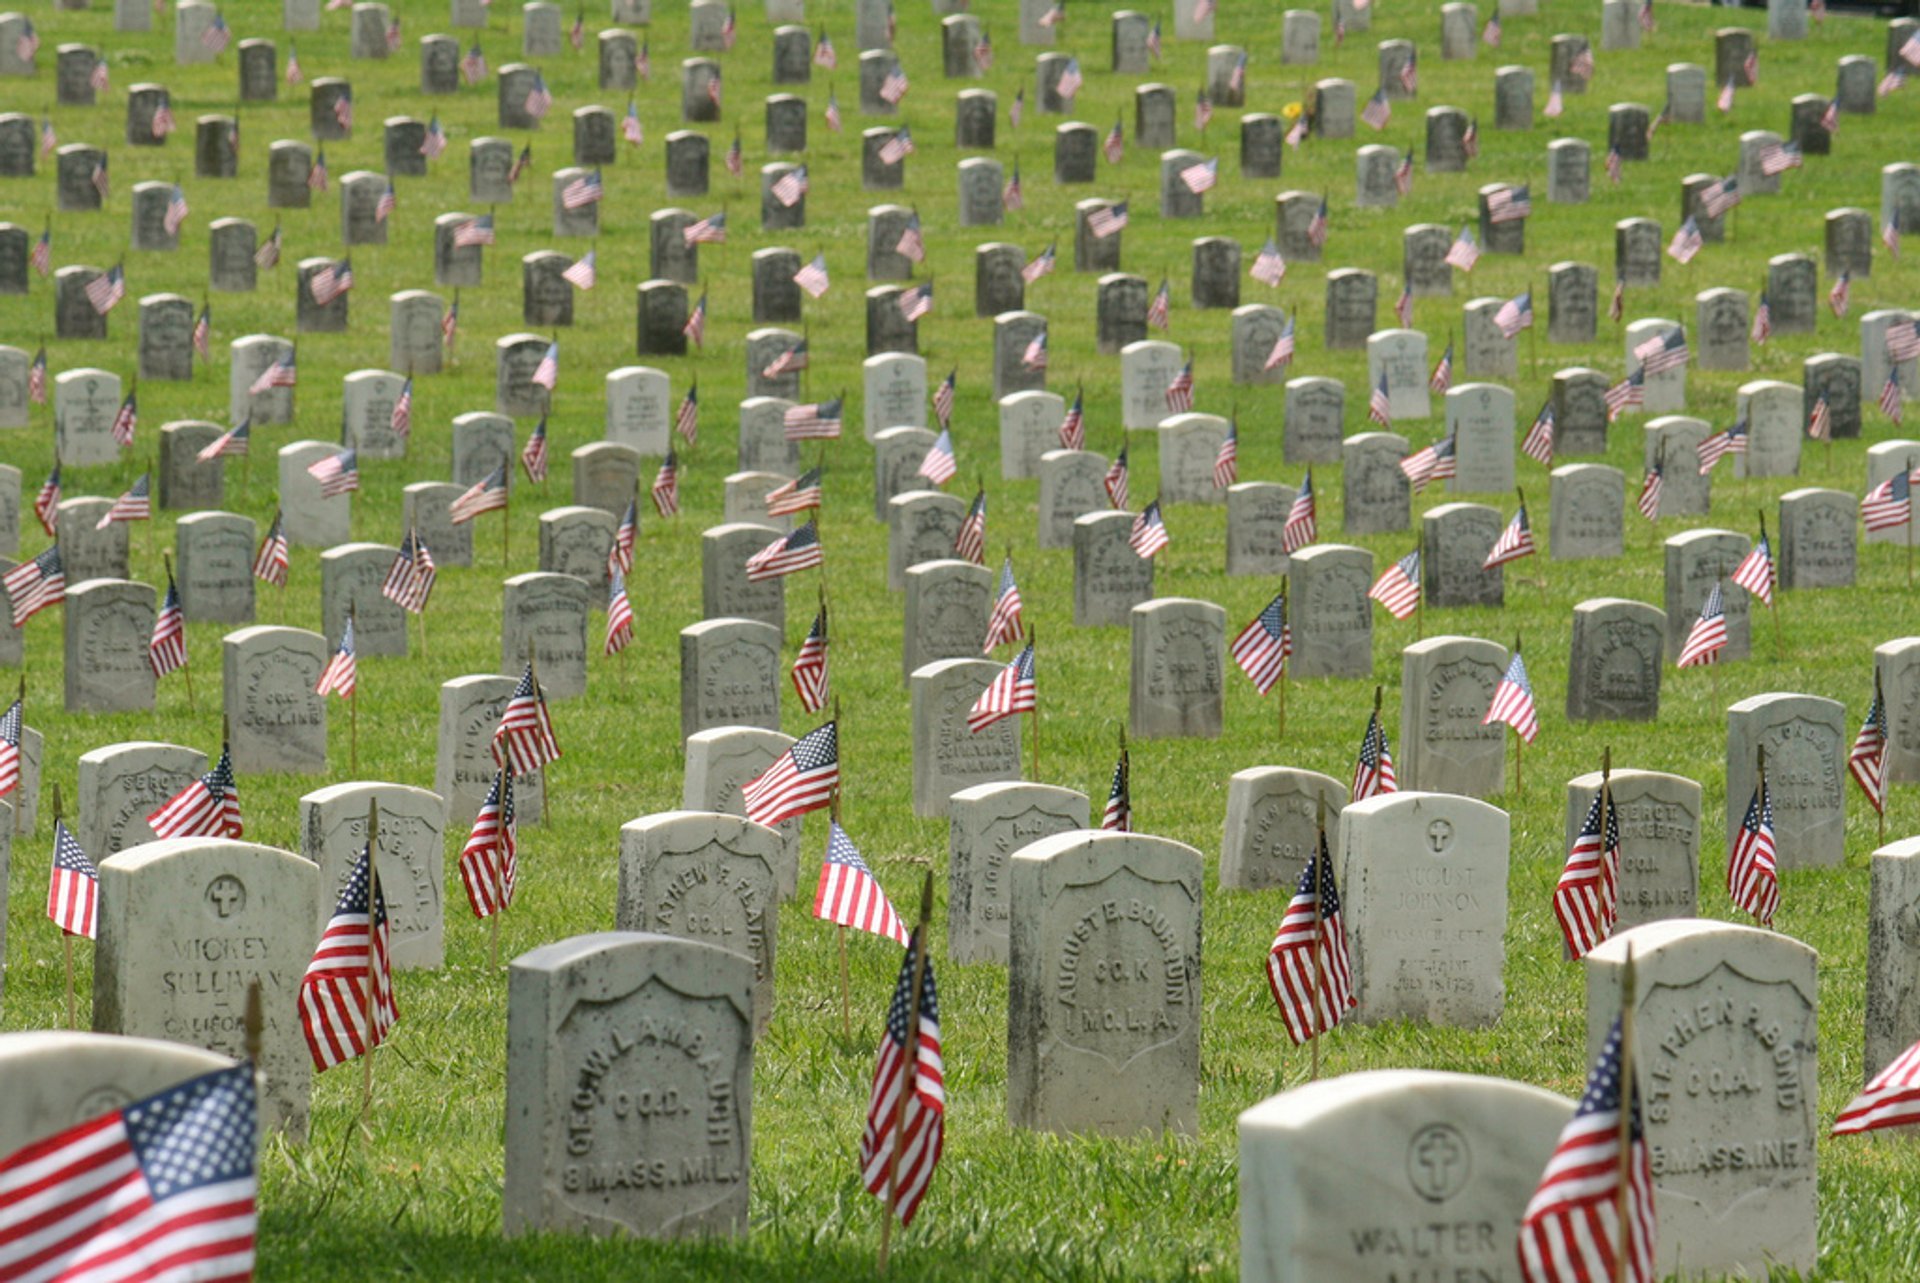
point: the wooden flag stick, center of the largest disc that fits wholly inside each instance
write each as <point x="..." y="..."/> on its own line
<point x="534" y="670"/>
<point x="1881" y="810"/>
<point x="19" y="807"/>
<point x="1033" y="714"/>
<point x="846" y="983"/>
<point x="373" y="899"/>
<point x="353" y="709"/>
<point x="1908" y="465"/>
<point x="186" y="670"/>
<point x="501" y="781"/>
<point x="1419" y="593"/>
<point x="1773" y="607"/>
<point x="506" y="526"/>
<point x="1280" y="733"/>
<point x="1313" y="1002"/>
<point x="66" y="937"/>
<point x="1518" y="740"/>
<point x="1621" y="1269"/>
<point x="256" y="1027"/>
<point x="911" y="1070"/>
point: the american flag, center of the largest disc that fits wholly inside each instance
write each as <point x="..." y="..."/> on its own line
<point x="1616" y="169"/>
<point x="643" y="61"/>
<point x="666" y="486"/>
<point x="1587" y="898"/>
<point x="343" y="111"/>
<point x="625" y="535"/>
<point x="1733" y="440"/>
<point x="791" y="360"/>
<point x="434" y="142"/>
<point x="268" y="255"/>
<point x="802" y="779"/>
<point x="1011" y="691"/>
<point x="1888" y="505"/>
<point x="98" y="77"/>
<point x="106" y="291"/>
<point x="1686" y="242"/>
<point x="1582" y="63"/>
<point x="833" y="111"/>
<point x="943" y="398"/>
<point x="1148" y="534"/>
<point x="1778" y="158"/>
<point x="49" y="139"/>
<point x="73" y="889"/>
<point x="134" y="505"/>
<point x="619" y="616"/>
<point x="163" y="1187"/>
<point x="799" y="550"/>
<point x="489" y="866"/>
<point x="1889" y="1099"/>
<point x="1650" y="487"/>
<point x="1721" y="197"/>
<point x="1116" y="480"/>
<point x="1628" y="394"/>
<point x="1837" y="297"/>
<point x="824" y="54"/>
<point x="849" y="895"/>
<point x="1282" y="353"/>
<point x="735" y="160"/>
<point x="794" y="496"/>
<point x="1431" y="463"/>
<point x="341" y="676"/>
<point x="206" y="807"/>
<point x="1470" y="140"/>
<point x="1820" y="421"/>
<point x="294" y="75"/>
<point x="1116" y="145"/>
<point x="533" y="455"/>
<point x="1753" y="876"/>
<point x="983" y="52"/>
<point x="1647" y="23"/>
<point x="1379" y="406"/>
<point x="1410" y="73"/>
<point x="897" y="148"/>
<point x="1269" y="268"/>
<point x="1556" y="101"/>
<point x="1618" y="305"/>
<point x="475" y="231"/>
<point x="813" y="277"/>
<point x="203" y="333"/>
<point x="42" y="252"/>
<point x="1160" y="310"/>
<point x="484" y="495"/>
<point x="1490" y="34"/>
<point x="338" y="473"/>
<point x="1201" y="178"/>
<point x="1571" y="1229"/>
<point x="1035" y="355"/>
<point x="1892" y="399"/>
<point x="1403" y="307"/>
<point x="1226" y="460"/>
<point x="970" y="543"/>
<point x="176" y="211"/>
<point x="1073" y="428"/>
<point x="1307" y="965"/>
<point x="790" y="188"/>
<point x="1202" y="110"/>
<point x="686" y="420"/>
<point x="317" y="172"/>
<point x="1403" y="174"/>
<point x="353" y="954"/>
<point x="911" y="246"/>
<point x="1262" y="647"/>
<point x="46" y="502"/>
<point x="1867" y="760"/>
<point x="331" y="282"/>
<point x="584" y="273"/>
<point x="894" y="87"/>
<point x="216" y="36"/>
<point x="1070" y="81"/>
<point x="1014" y="113"/>
<point x="588" y="189"/>
<point x="729" y="32"/>
<point x="696" y="326"/>
<point x="1464" y="252"/>
<point x="1513" y="701"/>
<point x="1042" y="265"/>
<point x="524" y="742"/>
<point x="1398" y="587"/>
<point x="410" y="579"/>
<point x="1903" y="341"/>
<point x="814" y="421"/>
<point x="1118" y="816"/>
<point x="1179" y="392"/>
<point x="1708" y="636"/>
<point x="1751" y="66"/>
<point x="1237" y="77"/>
<point x="401" y="418"/>
<point x="101" y="182"/>
<point x="12" y="726"/>
<point x="938" y="465"/>
<point x="1889" y="236"/>
<point x="1107" y="220"/>
<point x="1153" y="41"/>
<point x="539" y="98"/>
<point x="1298" y="133"/>
<point x="1373" y="769"/>
<point x="126" y="419"/>
<point x="167" y="648"/>
<point x="1515" y="315"/>
<point x="1755" y="571"/>
<point x="1830" y="116"/>
<point x="1515" y="542"/>
<point x="1301" y="527"/>
<point x="384" y="207"/>
<point x="1442" y="376"/>
<point x="1509" y="205"/>
<point x="1663" y="352"/>
<point x="547" y="373"/>
<point x="1055" y="15"/>
<point x="810" y="676"/>
<point x="1004" y="624"/>
<point x="271" y="561"/>
<point x="1378" y="111"/>
<point x="900" y="1167"/>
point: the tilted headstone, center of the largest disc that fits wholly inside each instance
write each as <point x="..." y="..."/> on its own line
<point x="214" y="554"/>
<point x="1272" y="818"/>
<point x="1331" y="616"/>
<point x="1103" y="1000"/>
<point x="624" y="1043"/>
<point x="409" y="854"/>
<point x="729" y="675"/>
<point x="1818" y="544"/>
<point x="108" y="625"/>
<point x="1446" y="687"/>
<point x="1725" y="1020"/>
<point x="1109" y="577"/>
<point x="1375" y="494"/>
<point x="277" y="722"/>
<point x="1659" y="819"/>
<point x="1806" y="738"/>
<point x="948" y="604"/>
<point x="187" y="926"/>
<point x="700" y="875"/>
<point x="988" y="824"/>
<point x="1695" y="561"/>
<point x="351" y="575"/>
<point x="1405" y="1141"/>
<point x="1618" y="652"/>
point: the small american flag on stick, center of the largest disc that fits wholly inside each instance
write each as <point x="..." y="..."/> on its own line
<point x="346" y="996"/>
<point x="1308" y="968"/>
<point x="849" y="895"/>
<point x="802" y="779"/>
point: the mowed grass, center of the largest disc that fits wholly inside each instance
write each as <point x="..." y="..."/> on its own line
<point x="421" y="1194"/>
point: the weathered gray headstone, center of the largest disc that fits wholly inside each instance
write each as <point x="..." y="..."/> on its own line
<point x="1189" y="445"/>
<point x="108" y="624"/>
<point x="470" y="709"/>
<point x="729" y="675"/>
<point x="214" y="552"/>
<point x="1109" y="577"/>
<point x="1695" y="561"/>
<point x="58" y="1080"/>
<point x="1375" y="494"/>
<point x="1178" y="686"/>
<point x="1587" y="506"/>
<point x="1579" y="411"/>
<point x="1458" y="537"/>
<point x="1618" y="651"/>
<point x="1806" y="738"/>
<point x="1659" y="818"/>
<point x="1446" y="687"/>
<point x="575" y="540"/>
<point x="948" y="604"/>
<point x="1480" y="419"/>
<point x="231" y="243"/>
<point x="183" y="482"/>
<point x="921" y="526"/>
<point x="726" y="592"/>
<point x="988" y="824"/>
<point x="409" y="855"/>
<point x="351" y="575"/>
<point x="544" y="616"/>
<point x="1893" y="985"/>
<point x="1272" y="812"/>
<point x="1257" y="514"/>
<point x="278" y="723"/>
<point x="1818" y="545"/>
<point x="1070" y="487"/>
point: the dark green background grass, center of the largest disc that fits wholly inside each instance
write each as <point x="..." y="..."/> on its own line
<point x="423" y="1194"/>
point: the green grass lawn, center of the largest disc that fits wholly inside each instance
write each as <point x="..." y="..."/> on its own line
<point x="423" y="1193"/>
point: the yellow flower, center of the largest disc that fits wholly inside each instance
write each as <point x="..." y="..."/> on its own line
<point x="1292" y="111"/>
